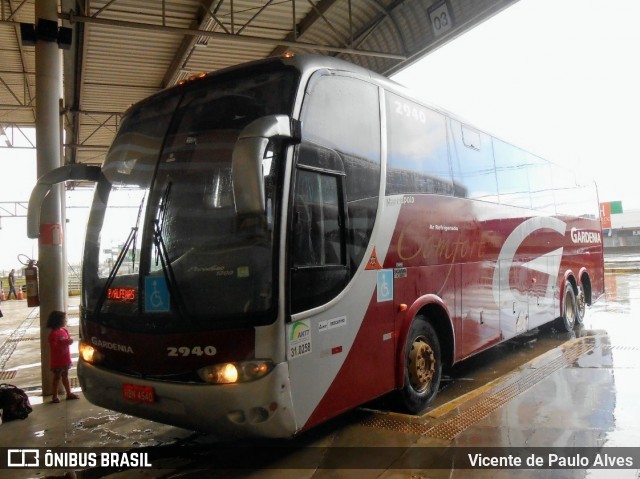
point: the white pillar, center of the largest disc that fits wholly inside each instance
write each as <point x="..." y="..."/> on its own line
<point x="51" y="241"/>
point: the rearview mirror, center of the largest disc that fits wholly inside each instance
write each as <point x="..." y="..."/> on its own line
<point x="248" y="153"/>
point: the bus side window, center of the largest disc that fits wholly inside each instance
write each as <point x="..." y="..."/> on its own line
<point x="418" y="154"/>
<point x="540" y="184"/>
<point x="473" y="167"/>
<point x="317" y="232"/>
<point x="318" y="244"/>
<point x="341" y="133"/>
<point x="563" y="189"/>
<point x="511" y="172"/>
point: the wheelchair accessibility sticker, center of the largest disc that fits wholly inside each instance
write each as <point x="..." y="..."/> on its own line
<point x="385" y="285"/>
<point x="156" y="295"/>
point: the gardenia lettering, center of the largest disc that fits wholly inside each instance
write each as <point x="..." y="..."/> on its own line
<point x="123" y="348"/>
<point x="578" y="236"/>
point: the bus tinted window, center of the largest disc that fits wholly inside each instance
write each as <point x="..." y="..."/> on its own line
<point x="418" y="157"/>
<point x="563" y="189"/>
<point x="588" y="199"/>
<point x="511" y="172"/>
<point x="120" y="200"/>
<point x="341" y="133"/>
<point x="173" y="158"/>
<point x="317" y="238"/>
<point x="540" y="184"/>
<point x="343" y="113"/>
<point x="473" y="167"/>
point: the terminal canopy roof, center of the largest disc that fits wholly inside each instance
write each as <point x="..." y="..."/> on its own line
<point x="122" y="51"/>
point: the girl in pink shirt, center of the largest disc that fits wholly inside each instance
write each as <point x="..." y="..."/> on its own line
<point x="59" y="342"/>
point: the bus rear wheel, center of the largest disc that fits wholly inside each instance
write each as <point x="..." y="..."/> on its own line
<point x="423" y="366"/>
<point x="581" y="306"/>
<point x="569" y="309"/>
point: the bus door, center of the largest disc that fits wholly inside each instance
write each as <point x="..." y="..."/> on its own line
<point x="334" y="338"/>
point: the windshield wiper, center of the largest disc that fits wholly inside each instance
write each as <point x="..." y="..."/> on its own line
<point x="131" y="239"/>
<point x="135" y="236"/>
<point x="158" y="223"/>
<point x="116" y="267"/>
<point x="162" y="254"/>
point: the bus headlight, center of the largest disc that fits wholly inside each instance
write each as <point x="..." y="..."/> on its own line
<point x="240" y="372"/>
<point x="88" y="353"/>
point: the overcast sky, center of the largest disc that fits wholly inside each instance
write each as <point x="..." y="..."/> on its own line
<point x="558" y="77"/>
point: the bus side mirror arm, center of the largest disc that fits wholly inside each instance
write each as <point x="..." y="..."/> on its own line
<point x="248" y="153"/>
<point x="44" y="184"/>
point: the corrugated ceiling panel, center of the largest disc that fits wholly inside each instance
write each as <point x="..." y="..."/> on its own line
<point x="177" y="13"/>
<point x="221" y="54"/>
<point x="112" y="98"/>
<point x="91" y="156"/>
<point x="139" y="58"/>
<point x="21" y="117"/>
<point x="8" y="39"/>
<point x="11" y="61"/>
<point x="412" y="19"/>
<point x="12" y="88"/>
<point x="16" y="85"/>
<point x="276" y="16"/>
<point x="26" y="10"/>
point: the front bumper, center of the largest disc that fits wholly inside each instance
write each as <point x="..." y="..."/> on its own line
<point x="257" y="408"/>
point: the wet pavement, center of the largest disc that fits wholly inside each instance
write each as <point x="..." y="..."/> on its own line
<point x="532" y="397"/>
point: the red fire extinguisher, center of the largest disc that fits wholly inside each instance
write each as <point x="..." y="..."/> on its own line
<point x="31" y="277"/>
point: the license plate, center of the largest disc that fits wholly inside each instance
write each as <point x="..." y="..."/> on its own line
<point x="137" y="393"/>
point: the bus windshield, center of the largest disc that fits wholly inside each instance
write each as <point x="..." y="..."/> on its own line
<point x="165" y="249"/>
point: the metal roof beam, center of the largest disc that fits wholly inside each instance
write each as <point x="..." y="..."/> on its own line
<point x="23" y="61"/>
<point x="9" y="106"/>
<point x="214" y="17"/>
<point x="11" y="92"/>
<point x="305" y="24"/>
<point x="385" y="13"/>
<point x="186" y="46"/>
<point x="106" y="6"/>
<point x="73" y="67"/>
<point x="245" y="39"/>
<point x="76" y="146"/>
<point x="13" y="209"/>
<point x="103" y="124"/>
<point x="13" y="140"/>
<point x="254" y="17"/>
<point x="13" y="11"/>
<point x="327" y="22"/>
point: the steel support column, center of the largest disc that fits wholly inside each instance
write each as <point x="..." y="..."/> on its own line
<point x="50" y="243"/>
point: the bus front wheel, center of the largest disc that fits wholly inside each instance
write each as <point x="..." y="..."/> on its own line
<point x="423" y="366"/>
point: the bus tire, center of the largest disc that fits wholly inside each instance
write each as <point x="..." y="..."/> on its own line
<point x="569" y="308"/>
<point x="581" y="306"/>
<point x="423" y="366"/>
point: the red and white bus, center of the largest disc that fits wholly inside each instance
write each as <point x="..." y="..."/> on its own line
<point x="302" y="237"/>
